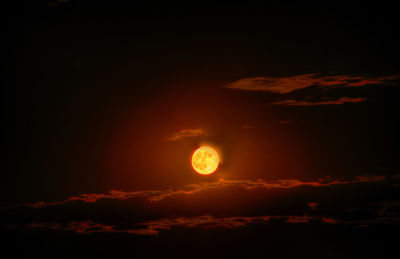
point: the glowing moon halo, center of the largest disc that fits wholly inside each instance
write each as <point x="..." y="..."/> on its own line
<point x="205" y="160"/>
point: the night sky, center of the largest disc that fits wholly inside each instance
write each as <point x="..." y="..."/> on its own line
<point x="104" y="103"/>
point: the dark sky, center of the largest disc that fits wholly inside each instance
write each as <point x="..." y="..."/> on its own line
<point x="104" y="103"/>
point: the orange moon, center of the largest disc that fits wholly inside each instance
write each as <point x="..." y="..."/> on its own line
<point x="205" y="160"/>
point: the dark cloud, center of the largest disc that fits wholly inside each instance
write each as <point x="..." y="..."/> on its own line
<point x="341" y="100"/>
<point x="284" y="85"/>
<point x="157" y="195"/>
<point x="88" y="227"/>
<point x="205" y="221"/>
<point x="151" y="214"/>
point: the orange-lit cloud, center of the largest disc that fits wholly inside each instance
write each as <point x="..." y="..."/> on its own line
<point x="185" y="133"/>
<point x="157" y="195"/>
<point x="284" y="85"/>
<point x="341" y="100"/>
<point x="280" y="85"/>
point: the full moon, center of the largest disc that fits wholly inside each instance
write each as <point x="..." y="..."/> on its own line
<point x="205" y="160"/>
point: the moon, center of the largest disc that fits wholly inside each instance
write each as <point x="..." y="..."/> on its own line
<point x="205" y="160"/>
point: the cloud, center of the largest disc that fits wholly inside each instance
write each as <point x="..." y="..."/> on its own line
<point x="89" y="227"/>
<point x="310" y="210"/>
<point x="94" y="197"/>
<point x="341" y="100"/>
<point x="284" y="85"/>
<point x="157" y="195"/>
<point x="185" y="133"/>
<point x="280" y="85"/>
<point x="153" y="227"/>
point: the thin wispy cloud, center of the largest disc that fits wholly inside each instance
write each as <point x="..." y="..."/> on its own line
<point x="185" y="133"/>
<point x="339" y="101"/>
<point x="158" y="195"/>
<point x="284" y="85"/>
